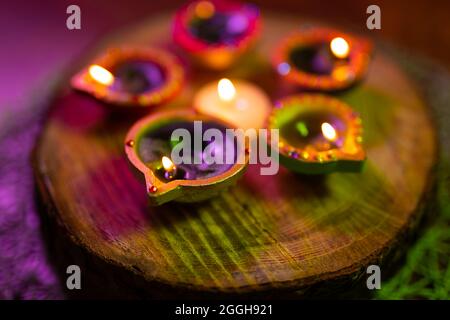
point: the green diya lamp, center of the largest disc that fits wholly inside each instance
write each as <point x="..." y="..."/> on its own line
<point x="318" y="134"/>
<point x="322" y="59"/>
<point x="139" y="77"/>
<point x="207" y="160"/>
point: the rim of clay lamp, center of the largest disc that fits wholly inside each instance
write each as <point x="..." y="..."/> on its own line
<point x="175" y="189"/>
<point x="343" y="77"/>
<point x="170" y="65"/>
<point x="348" y="158"/>
<point x="216" y="55"/>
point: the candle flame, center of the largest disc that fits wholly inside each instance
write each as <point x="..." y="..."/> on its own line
<point x="328" y="131"/>
<point x="204" y="9"/>
<point x="339" y="47"/>
<point x="101" y="75"/>
<point x="226" y="90"/>
<point x="167" y="164"/>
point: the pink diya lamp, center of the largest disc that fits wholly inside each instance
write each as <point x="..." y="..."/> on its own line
<point x="149" y="145"/>
<point x="318" y="134"/>
<point x="322" y="59"/>
<point x="139" y="77"/>
<point x="216" y="32"/>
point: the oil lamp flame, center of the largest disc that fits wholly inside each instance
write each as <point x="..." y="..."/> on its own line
<point x="204" y="9"/>
<point x="101" y="75"/>
<point x="339" y="47"/>
<point x="226" y="90"/>
<point x="328" y="131"/>
<point x="168" y="164"/>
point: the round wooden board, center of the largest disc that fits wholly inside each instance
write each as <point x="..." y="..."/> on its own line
<point x="268" y="233"/>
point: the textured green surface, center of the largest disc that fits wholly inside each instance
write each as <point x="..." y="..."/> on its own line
<point x="426" y="272"/>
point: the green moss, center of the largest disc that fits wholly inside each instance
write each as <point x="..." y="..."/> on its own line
<point x="426" y="273"/>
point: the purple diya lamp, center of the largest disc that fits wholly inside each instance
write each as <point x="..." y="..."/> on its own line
<point x="132" y="77"/>
<point x="322" y="59"/>
<point x="149" y="147"/>
<point x="216" y="32"/>
<point x="317" y="134"/>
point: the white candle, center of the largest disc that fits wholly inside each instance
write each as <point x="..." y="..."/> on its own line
<point x="238" y="102"/>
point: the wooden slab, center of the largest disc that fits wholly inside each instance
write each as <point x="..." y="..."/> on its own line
<point x="269" y="233"/>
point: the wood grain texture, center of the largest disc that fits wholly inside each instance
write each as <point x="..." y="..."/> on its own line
<point x="269" y="233"/>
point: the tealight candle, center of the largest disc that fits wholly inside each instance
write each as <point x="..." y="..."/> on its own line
<point x="323" y="59"/>
<point x="317" y="134"/>
<point x="216" y="32"/>
<point x="132" y="77"/>
<point x="149" y="146"/>
<point x="238" y="102"/>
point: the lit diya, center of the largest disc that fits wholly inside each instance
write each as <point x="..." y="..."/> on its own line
<point x="238" y="102"/>
<point x="216" y="32"/>
<point x="318" y="134"/>
<point x="322" y="59"/>
<point x="132" y="77"/>
<point x="151" y="143"/>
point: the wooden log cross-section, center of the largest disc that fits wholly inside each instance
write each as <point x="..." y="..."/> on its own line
<point x="267" y="235"/>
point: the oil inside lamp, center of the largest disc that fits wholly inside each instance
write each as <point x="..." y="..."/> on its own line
<point x="131" y="76"/>
<point x="101" y="75"/>
<point x="314" y="131"/>
<point x="321" y="58"/>
<point x="154" y="146"/>
<point x="137" y="77"/>
<point x="216" y="32"/>
<point x="214" y="26"/>
<point x="192" y="177"/>
<point x="168" y="171"/>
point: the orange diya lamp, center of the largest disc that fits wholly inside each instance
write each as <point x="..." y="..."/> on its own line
<point x="322" y="59"/>
<point x="216" y="32"/>
<point x="149" y="145"/>
<point x="318" y="134"/>
<point x="138" y="77"/>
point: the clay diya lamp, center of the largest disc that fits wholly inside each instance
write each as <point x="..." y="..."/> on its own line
<point x="322" y="59"/>
<point x="138" y="77"/>
<point x="216" y="32"/>
<point x="318" y="134"/>
<point x="150" y="144"/>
